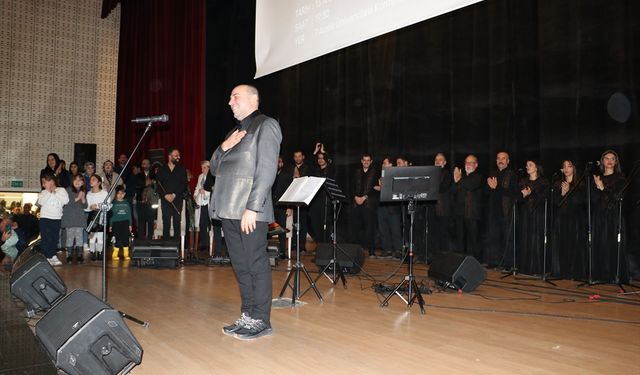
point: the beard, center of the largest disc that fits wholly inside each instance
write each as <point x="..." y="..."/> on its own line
<point x="468" y="170"/>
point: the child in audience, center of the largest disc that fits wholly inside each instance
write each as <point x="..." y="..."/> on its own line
<point x="51" y="200"/>
<point x="120" y="224"/>
<point x="74" y="219"/>
<point x="95" y="197"/>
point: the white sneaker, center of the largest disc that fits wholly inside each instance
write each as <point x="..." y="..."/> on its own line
<point x="54" y="261"/>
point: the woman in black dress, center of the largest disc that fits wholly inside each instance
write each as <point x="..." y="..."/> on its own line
<point x="569" y="241"/>
<point x="534" y="190"/>
<point x="605" y="197"/>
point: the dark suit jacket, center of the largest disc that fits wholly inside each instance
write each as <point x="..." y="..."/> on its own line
<point x="468" y="196"/>
<point x="245" y="173"/>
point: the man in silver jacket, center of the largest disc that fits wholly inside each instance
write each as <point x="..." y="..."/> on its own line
<point x="244" y="166"/>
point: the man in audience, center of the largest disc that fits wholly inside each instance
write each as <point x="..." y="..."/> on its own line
<point x="172" y="185"/>
<point x="301" y="169"/>
<point x="28" y="222"/>
<point x="119" y="167"/>
<point x="389" y="221"/>
<point x="280" y="185"/>
<point x="365" y="199"/>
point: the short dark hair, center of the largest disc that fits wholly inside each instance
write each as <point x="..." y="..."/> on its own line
<point x="366" y="154"/>
<point x="119" y="188"/>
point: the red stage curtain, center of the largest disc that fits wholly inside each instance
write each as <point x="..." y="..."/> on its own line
<point x="161" y="71"/>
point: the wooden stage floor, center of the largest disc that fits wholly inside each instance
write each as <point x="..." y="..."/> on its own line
<point x="503" y="327"/>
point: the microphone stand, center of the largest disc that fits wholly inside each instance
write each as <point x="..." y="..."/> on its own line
<point x="589" y="281"/>
<point x="102" y="216"/>
<point x="618" y="280"/>
<point x="545" y="276"/>
<point x="514" y="269"/>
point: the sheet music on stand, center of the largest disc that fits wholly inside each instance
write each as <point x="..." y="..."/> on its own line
<point x="333" y="191"/>
<point x="301" y="190"/>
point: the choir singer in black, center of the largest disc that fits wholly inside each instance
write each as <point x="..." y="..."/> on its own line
<point x="569" y="239"/>
<point x="534" y="189"/>
<point x="606" y="190"/>
<point x="467" y="207"/>
<point x="502" y="190"/>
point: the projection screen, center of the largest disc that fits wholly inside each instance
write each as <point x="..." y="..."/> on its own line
<point x="289" y="32"/>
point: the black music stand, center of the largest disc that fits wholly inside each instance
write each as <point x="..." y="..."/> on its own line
<point x="299" y="193"/>
<point x="337" y="197"/>
<point x="409" y="184"/>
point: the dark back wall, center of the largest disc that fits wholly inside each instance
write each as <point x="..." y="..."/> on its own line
<point x="531" y="77"/>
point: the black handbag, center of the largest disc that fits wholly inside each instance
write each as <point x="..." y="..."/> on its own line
<point x="97" y="227"/>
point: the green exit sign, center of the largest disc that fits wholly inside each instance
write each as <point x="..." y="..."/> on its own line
<point x="17" y="183"/>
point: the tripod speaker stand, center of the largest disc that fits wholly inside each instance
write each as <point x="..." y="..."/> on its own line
<point x="300" y="192"/>
<point x="409" y="184"/>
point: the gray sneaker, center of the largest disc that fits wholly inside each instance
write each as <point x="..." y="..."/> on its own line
<point x="237" y="325"/>
<point x="254" y="329"/>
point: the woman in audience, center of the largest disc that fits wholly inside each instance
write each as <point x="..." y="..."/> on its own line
<point x="54" y="168"/>
<point x="74" y="170"/>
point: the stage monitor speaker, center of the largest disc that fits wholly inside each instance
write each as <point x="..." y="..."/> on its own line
<point x="84" y="335"/>
<point x="156" y="155"/>
<point x="155" y="253"/>
<point x="457" y="271"/>
<point x="36" y="283"/>
<point x="351" y="257"/>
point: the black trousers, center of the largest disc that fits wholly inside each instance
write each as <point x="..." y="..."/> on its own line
<point x="216" y="227"/>
<point x="364" y="226"/>
<point x="280" y="214"/>
<point x="468" y="237"/>
<point x="120" y="230"/>
<point x="203" y="227"/>
<point x="146" y="219"/>
<point x="248" y="253"/>
<point x="169" y="212"/>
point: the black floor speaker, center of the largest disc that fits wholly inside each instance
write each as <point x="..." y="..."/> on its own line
<point x="36" y="283"/>
<point x="457" y="271"/>
<point x="84" y="335"/>
<point x="155" y="253"/>
<point x="350" y="256"/>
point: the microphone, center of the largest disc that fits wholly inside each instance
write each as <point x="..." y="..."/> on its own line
<point x="596" y="163"/>
<point x="159" y="118"/>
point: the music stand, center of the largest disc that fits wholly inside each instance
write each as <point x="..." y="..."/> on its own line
<point x="337" y="197"/>
<point x="300" y="192"/>
<point x="409" y="184"/>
